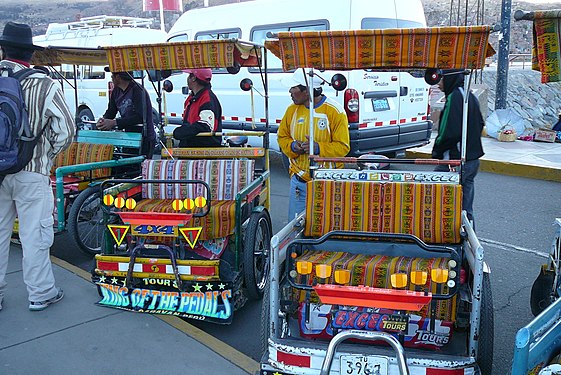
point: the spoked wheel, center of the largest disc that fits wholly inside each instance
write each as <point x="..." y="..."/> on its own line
<point x="85" y="221"/>
<point x="486" y="329"/>
<point x="256" y="248"/>
<point x="542" y="294"/>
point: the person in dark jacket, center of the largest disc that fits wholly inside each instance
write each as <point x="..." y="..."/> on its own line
<point x="447" y="145"/>
<point x="202" y="113"/>
<point x="127" y="99"/>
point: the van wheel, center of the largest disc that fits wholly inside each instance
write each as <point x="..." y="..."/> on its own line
<point x="85" y="114"/>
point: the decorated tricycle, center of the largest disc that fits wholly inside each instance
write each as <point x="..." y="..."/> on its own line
<point x="382" y="273"/>
<point x="190" y="238"/>
<point x="537" y="346"/>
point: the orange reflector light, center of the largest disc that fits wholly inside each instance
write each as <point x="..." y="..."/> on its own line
<point x="399" y="280"/>
<point x="200" y="202"/>
<point x="108" y="199"/>
<point x="304" y="268"/>
<point x="119" y="202"/>
<point x="342" y="276"/>
<point x="189" y="204"/>
<point x="177" y="204"/>
<point x="419" y="277"/>
<point x="130" y="204"/>
<point x="323" y="271"/>
<point x="439" y="275"/>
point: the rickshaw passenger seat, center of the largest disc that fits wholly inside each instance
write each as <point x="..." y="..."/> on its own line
<point x="226" y="178"/>
<point x="82" y="153"/>
<point x="430" y="211"/>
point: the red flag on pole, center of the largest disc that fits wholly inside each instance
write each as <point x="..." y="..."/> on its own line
<point x="173" y="5"/>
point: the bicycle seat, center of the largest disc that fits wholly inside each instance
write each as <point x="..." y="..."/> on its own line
<point x="237" y="141"/>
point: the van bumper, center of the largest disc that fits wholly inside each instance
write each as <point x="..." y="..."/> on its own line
<point x="389" y="138"/>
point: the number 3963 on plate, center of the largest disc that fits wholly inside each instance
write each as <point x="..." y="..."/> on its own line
<point x="363" y="365"/>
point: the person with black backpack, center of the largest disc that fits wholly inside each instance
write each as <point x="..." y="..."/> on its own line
<point x="35" y="125"/>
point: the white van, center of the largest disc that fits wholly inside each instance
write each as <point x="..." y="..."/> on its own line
<point x="393" y="106"/>
<point x="92" y="82"/>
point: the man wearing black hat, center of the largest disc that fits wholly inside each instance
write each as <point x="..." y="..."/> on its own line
<point x="128" y="98"/>
<point x="28" y="193"/>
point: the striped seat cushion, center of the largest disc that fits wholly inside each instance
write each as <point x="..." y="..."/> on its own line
<point x="428" y="211"/>
<point x="376" y="270"/>
<point x="218" y="223"/>
<point x="82" y="153"/>
<point x="225" y="178"/>
<point x="343" y="205"/>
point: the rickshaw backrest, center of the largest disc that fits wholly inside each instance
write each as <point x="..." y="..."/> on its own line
<point x="225" y="178"/>
<point x="428" y="211"/>
<point x="81" y="153"/>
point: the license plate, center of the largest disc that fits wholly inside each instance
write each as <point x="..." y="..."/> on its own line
<point x="363" y="365"/>
<point x="380" y="105"/>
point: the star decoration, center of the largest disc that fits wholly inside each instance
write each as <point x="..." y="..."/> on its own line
<point x="197" y="287"/>
<point x="277" y="373"/>
<point x="114" y="280"/>
<point x="102" y="279"/>
<point x="221" y="286"/>
<point x="209" y="286"/>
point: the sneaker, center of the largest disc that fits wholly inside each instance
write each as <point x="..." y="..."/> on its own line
<point x="38" y="306"/>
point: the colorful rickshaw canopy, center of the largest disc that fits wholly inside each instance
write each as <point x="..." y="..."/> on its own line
<point x="418" y="48"/>
<point x="160" y="56"/>
<point x="546" y="48"/>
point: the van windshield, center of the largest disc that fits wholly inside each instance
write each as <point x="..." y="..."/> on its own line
<point x="388" y="23"/>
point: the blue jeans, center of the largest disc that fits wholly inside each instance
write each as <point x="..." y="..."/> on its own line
<point x="296" y="198"/>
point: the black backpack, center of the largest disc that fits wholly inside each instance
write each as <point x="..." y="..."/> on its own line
<point x="16" y="140"/>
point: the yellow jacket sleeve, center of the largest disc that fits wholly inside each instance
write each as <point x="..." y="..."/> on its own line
<point x="284" y="137"/>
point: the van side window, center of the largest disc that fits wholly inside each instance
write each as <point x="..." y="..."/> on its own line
<point x="219" y="34"/>
<point x="258" y="35"/>
<point x="93" y="72"/>
<point x="179" y="38"/>
<point x="388" y="23"/>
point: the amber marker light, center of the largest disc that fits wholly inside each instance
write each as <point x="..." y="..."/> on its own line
<point x="439" y="275"/>
<point x="303" y="267"/>
<point x="108" y="199"/>
<point x="398" y="280"/>
<point x="130" y="204"/>
<point x="419" y="277"/>
<point x="177" y="204"/>
<point x="323" y="271"/>
<point x="342" y="276"/>
<point x="189" y="204"/>
<point x="119" y="202"/>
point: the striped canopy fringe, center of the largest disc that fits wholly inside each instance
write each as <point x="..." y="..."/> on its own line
<point x="436" y="47"/>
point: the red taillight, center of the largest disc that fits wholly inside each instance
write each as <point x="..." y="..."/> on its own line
<point x="438" y="371"/>
<point x="290" y="359"/>
<point x="351" y="105"/>
<point x="428" y="103"/>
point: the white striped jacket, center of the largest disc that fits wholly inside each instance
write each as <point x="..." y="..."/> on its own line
<point x="47" y="108"/>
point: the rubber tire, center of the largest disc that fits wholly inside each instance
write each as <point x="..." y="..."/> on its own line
<point x="541" y="295"/>
<point x="486" y="329"/>
<point x="265" y="318"/>
<point x="84" y="114"/>
<point x="80" y="239"/>
<point x="256" y="269"/>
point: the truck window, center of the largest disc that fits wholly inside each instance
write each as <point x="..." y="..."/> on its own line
<point x="218" y="34"/>
<point x="179" y="38"/>
<point x="388" y="23"/>
<point x="258" y="35"/>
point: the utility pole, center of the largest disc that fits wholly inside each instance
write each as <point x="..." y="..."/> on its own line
<point x="502" y="64"/>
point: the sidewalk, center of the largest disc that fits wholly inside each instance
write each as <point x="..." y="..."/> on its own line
<point x="539" y="160"/>
<point x="75" y="336"/>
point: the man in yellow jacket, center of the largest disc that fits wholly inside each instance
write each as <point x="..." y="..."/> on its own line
<point x="331" y="135"/>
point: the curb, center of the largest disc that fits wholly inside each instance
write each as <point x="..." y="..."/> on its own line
<point x="219" y="347"/>
<point x="507" y="168"/>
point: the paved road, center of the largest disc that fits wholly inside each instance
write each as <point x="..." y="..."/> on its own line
<point x="514" y="221"/>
